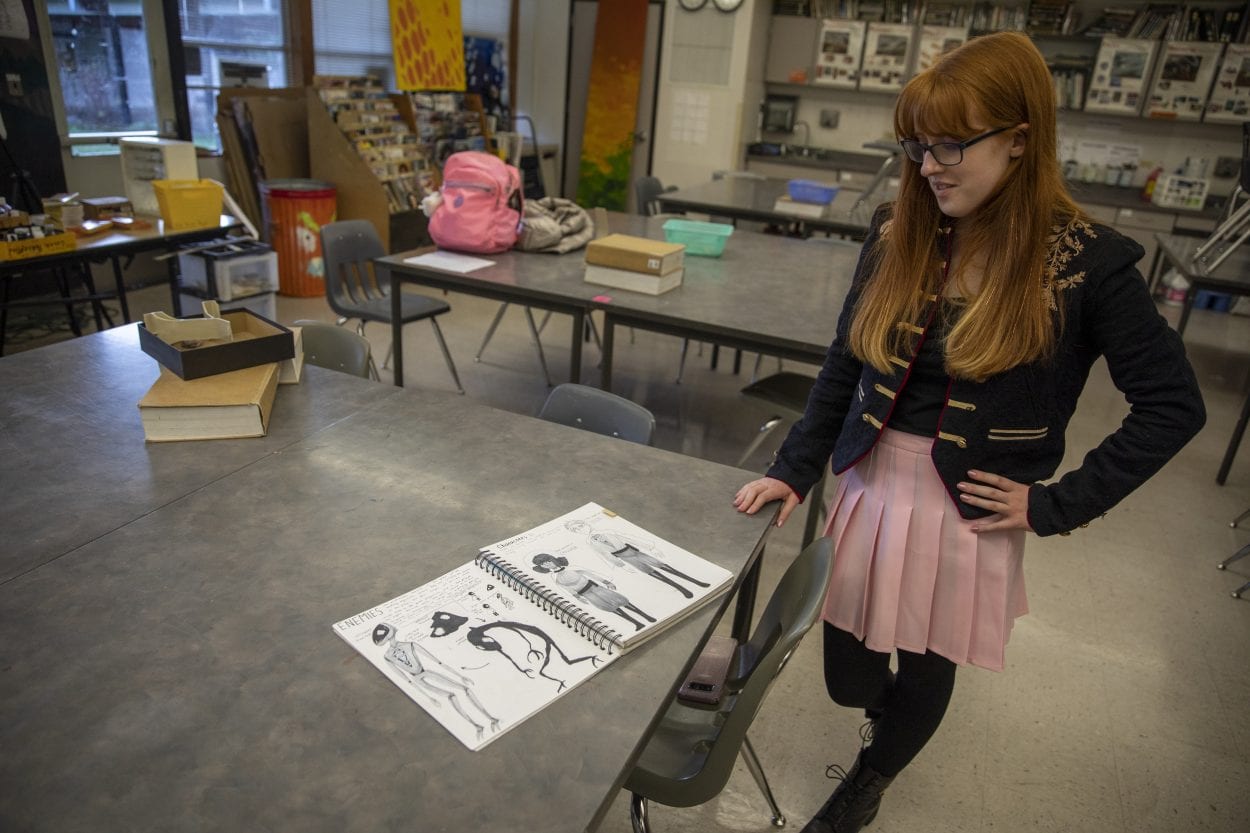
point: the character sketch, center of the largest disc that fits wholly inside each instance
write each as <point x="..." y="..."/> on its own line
<point x="625" y="551"/>
<point x="430" y="676"/>
<point x="591" y="588"/>
<point x="479" y="637"/>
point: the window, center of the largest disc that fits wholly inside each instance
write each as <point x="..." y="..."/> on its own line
<point x="229" y="43"/>
<point x="353" y="37"/>
<point x="102" y="62"/>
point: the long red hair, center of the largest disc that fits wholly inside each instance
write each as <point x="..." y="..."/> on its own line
<point x="997" y="80"/>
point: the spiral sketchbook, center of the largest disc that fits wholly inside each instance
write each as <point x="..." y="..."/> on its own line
<point x="490" y="643"/>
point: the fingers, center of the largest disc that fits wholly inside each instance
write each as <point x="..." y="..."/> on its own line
<point x="787" y="507"/>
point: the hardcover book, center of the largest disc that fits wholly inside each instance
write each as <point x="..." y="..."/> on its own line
<point x="1230" y="94"/>
<point x="1183" y="82"/>
<point x="636" y="254"/>
<point x="1120" y="77"/>
<point x="887" y="53"/>
<point x="634" y="281"/>
<point x="497" y="639"/>
<point x="224" y="406"/>
<point x="841" y="50"/>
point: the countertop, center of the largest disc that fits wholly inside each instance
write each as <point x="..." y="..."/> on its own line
<point x="869" y="163"/>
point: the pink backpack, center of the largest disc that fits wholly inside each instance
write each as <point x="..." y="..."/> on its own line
<point x="482" y="204"/>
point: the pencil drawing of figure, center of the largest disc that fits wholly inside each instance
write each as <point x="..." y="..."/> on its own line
<point x="479" y="637"/>
<point x="431" y="677"/>
<point x="591" y="588"/>
<point x="626" y="551"/>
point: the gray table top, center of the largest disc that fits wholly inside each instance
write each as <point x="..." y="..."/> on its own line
<point x="181" y="663"/>
<point x="73" y="463"/>
<point x="1232" y="275"/>
<point x="749" y="198"/>
<point x="778" y="293"/>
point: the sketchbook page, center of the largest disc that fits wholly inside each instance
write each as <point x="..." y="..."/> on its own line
<point x="631" y="582"/>
<point x="472" y="653"/>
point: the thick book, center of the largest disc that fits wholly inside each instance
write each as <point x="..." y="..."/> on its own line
<point x="636" y="254"/>
<point x="497" y="639"/>
<point x="633" y="281"/>
<point x="222" y="406"/>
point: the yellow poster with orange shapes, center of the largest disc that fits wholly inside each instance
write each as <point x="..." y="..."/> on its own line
<point x="428" y="44"/>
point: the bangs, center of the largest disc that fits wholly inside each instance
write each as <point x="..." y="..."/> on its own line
<point x="934" y="105"/>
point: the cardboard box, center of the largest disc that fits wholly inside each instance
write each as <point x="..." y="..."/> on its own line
<point x="635" y="254"/>
<point x="257" y="340"/>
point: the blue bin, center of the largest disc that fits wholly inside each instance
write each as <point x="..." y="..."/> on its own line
<point x="808" y="190"/>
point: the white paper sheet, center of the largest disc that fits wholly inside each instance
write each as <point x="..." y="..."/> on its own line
<point x="449" y="262"/>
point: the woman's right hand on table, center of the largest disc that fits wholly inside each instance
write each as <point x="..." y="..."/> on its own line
<point x="755" y="494"/>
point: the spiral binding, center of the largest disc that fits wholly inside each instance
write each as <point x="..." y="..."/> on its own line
<point x="572" y="616"/>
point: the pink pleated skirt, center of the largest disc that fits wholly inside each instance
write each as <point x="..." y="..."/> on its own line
<point x="909" y="572"/>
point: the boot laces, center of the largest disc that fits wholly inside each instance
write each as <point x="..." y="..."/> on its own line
<point x="866" y="732"/>
<point x="836" y="772"/>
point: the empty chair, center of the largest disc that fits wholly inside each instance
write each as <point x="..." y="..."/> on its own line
<point x="647" y="190"/>
<point x="689" y="758"/>
<point x="787" y="392"/>
<point x="357" y="288"/>
<point x="1237" y="556"/>
<point x="335" y="348"/>
<point x="597" y="410"/>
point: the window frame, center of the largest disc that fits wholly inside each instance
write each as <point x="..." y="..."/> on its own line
<point x="168" y="65"/>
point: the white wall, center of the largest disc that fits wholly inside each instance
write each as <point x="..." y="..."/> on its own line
<point x="700" y="126"/>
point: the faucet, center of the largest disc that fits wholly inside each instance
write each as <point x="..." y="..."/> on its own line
<point x="807" y="135"/>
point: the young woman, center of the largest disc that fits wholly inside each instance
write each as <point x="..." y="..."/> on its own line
<point x="981" y="299"/>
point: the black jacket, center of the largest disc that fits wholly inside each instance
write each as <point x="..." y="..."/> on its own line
<point x="1013" y="424"/>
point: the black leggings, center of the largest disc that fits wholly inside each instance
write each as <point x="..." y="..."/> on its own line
<point x="911" y="708"/>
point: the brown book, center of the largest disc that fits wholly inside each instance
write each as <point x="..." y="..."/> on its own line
<point x="635" y="254"/>
<point x="224" y="406"/>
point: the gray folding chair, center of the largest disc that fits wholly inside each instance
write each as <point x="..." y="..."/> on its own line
<point x="1237" y="556"/>
<point x="592" y="409"/>
<point x="357" y="288"/>
<point x="335" y="348"/>
<point x="787" y="392"/>
<point x="689" y="758"/>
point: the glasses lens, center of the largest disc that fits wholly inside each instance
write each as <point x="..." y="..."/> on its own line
<point x="948" y="153"/>
<point x="914" y="150"/>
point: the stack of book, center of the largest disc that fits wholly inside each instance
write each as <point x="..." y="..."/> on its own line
<point x="637" y="264"/>
<point x="219" y="374"/>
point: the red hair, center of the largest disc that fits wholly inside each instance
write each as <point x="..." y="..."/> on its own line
<point x="998" y="80"/>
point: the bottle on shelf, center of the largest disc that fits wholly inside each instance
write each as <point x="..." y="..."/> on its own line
<point x="1147" y="191"/>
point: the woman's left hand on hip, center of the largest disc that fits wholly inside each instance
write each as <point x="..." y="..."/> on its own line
<point x="1008" y="499"/>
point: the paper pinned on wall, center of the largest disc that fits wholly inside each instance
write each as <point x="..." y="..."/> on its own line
<point x="13" y="20"/>
<point x="691" y="116"/>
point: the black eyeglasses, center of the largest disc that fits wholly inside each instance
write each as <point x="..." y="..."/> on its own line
<point x="944" y="153"/>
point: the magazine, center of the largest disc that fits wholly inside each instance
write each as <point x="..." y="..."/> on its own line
<point x="490" y="643"/>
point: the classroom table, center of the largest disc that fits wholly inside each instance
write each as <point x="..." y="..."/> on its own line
<point x="753" y="198"/>
<point x="177" y="666"/>
<point x="1232" y="276"/>
<point x="1177" y="250"/>
<point x="110" y="246"/>
<point x="769" y="293"/>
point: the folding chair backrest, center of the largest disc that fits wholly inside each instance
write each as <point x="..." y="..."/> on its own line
<point x="597" y="410"/>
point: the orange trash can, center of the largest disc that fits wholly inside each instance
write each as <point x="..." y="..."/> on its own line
<point x="295" y="210"/>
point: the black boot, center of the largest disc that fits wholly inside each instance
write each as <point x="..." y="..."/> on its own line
<point x="854" y="803"/>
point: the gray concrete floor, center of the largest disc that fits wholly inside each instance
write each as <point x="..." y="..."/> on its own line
<point x="1125" y="705"/>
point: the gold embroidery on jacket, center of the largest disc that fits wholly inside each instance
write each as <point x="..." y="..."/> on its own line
<point x="1065" y="243"/>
